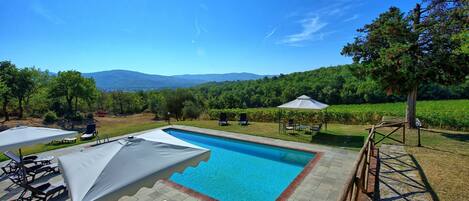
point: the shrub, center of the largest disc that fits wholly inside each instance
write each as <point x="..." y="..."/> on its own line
<point x="75" y="117"/>
<point x="191" y="110"/>
<point x="50" y="117"/>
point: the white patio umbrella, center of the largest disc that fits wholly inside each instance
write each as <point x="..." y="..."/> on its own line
<point x="122" y="167"/>
<point x="303" y="102"/>
<point x="15" y="138"/>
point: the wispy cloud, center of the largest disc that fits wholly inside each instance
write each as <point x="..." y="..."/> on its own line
<point x="354" y="17"/>
<point x="310" y="26"/>
<point x="43" y="12"/>
<point x="272" y="32"/>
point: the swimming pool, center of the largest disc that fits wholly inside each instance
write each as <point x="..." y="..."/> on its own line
<point x="239" y="170"/>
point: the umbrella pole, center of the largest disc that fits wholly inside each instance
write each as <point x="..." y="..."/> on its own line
<point x="23" y="169"/>
<point x="325" y="118"/>
<point x="279" y="121"/>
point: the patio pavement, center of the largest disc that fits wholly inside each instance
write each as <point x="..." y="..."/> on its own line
<point x="324" y="182"/>
<point x="401" y="177"/>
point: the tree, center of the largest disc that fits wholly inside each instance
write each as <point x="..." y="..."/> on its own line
<point x="37" y="102"/>
<point x="118" y="100"/>
<point x="401" y="52"/>
<point x="86" y="91"/>
<point x="72" y="86"/>
<point x="191" y="110"/>
<point x="7" y="78"/>
<point x="23" y="87"/>
<point x="174" y="101"/>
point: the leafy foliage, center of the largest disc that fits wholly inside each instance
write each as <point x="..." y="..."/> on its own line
<point x="331" y="85"/>
<point x="50" y="117"/>
<point x="191" y="110"/>
<point x="401" y="52"/>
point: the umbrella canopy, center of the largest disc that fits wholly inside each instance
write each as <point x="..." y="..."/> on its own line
<point x="304" y="102"/>
<point x="15" y="138"/>
<point x="119" y="168"/>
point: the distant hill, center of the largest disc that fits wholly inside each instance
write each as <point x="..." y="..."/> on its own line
<point x="132" y="80"/>
<point x="222" y="77"/>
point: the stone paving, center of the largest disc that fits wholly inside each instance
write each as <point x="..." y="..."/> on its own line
<point x="324" y="182"/>
<point x="400" y="177"/>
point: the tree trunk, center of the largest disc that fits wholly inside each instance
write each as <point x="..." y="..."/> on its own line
<point x="69" y="105"/>
<point x="5" y="108"/>
<point x="76" y="104"/>
<point x="20" y="107"/>
<point x="121" y="107"/>
<point x="411" y="107"/>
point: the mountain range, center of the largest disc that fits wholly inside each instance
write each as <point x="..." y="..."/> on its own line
<point x="131" y="80"/>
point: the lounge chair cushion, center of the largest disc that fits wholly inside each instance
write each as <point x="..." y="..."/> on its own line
<point x="87" y="136"/>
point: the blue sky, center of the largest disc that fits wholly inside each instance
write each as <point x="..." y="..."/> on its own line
<point x="183" y="36"/>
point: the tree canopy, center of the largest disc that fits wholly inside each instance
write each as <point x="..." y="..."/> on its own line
<point x="401" y="52"/>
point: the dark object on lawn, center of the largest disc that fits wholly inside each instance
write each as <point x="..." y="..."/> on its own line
<point x="90" y="132"/>
<point x="290" y="125"/>
<point x="223" y="120"/>
<point x="243" y="119"/>
<point x="315" y="129"/>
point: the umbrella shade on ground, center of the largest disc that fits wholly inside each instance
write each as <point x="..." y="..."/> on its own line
<point x="110" y="171"/>
<point x="15" y="138"/>
<point x="304" y="102"/>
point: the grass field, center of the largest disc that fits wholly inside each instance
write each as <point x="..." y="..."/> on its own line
<point x="446" y="114"/>
<point x="444" y="156"/>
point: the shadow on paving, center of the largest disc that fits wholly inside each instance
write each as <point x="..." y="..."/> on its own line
<point x="400" y="177"/>
<point x="338" y="140"/>
<point x="11" y="192"/>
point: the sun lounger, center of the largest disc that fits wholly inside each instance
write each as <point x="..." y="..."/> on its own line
<point x="316" y="128"/>
<point x="243" y="119"/>
<point x="69" y="140"/>
<point x="29" y="159"/>
<point x="291" y="125"/>
<point x="33" y="166"/>
<point x="90" y="132"/>
<point x="43" y="191"/>
<point x="223" y="120"/>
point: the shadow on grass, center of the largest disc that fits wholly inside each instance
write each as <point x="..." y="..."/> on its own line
<point x="338" y="140"/>
<point x="459" y="137"/>
<point x="443" y="150"/>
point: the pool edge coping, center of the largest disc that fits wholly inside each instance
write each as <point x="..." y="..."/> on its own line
<point x="191" y="192"/>
<point x="292" y="186"/>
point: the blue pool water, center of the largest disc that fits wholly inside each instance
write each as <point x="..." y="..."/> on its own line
<point x="239" y="170"/>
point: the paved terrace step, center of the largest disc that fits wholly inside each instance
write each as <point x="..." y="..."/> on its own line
<point x="400" y="176"/>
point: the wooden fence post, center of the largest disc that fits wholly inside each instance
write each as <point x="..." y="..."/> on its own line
<point x="403" y="133"/>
